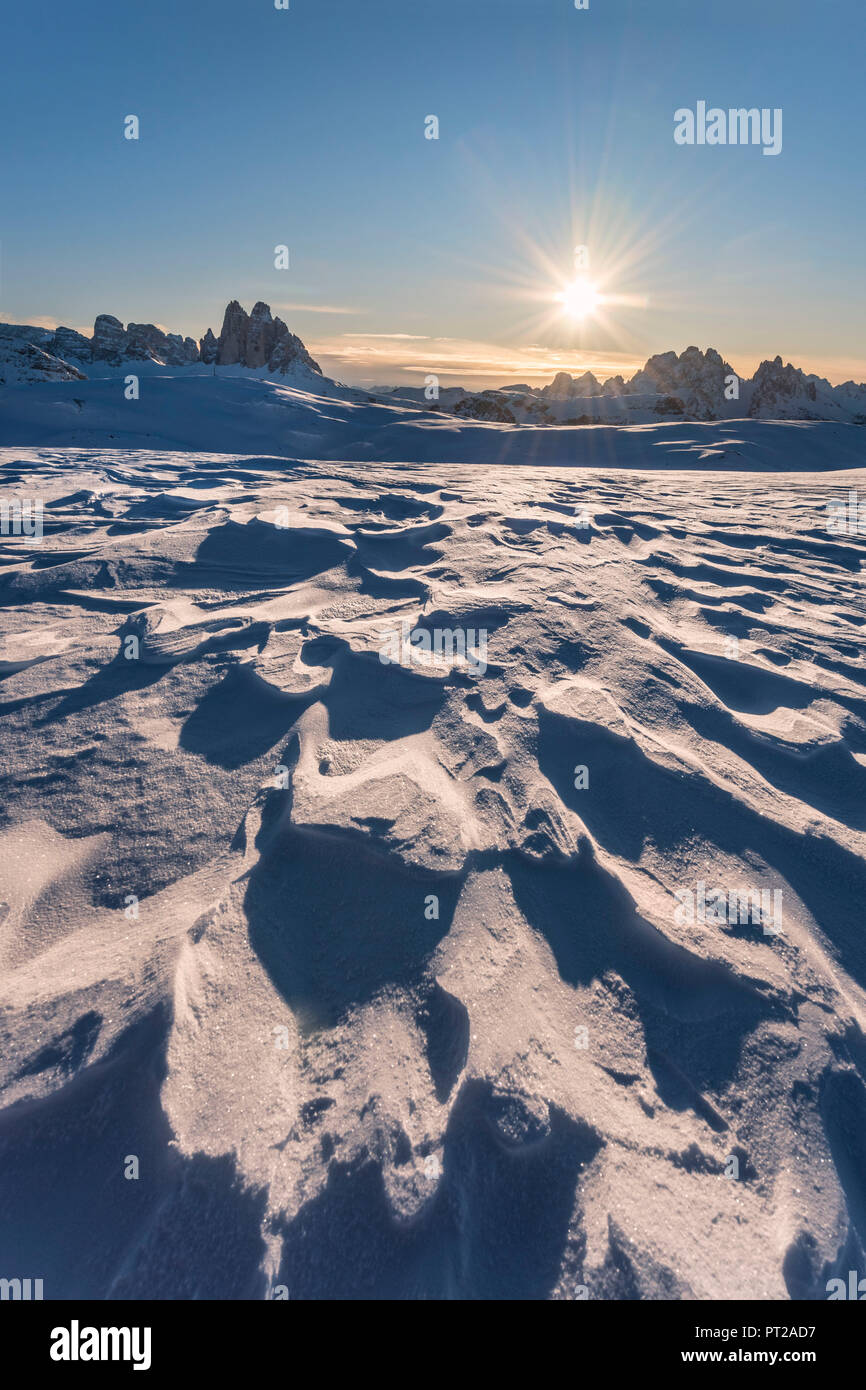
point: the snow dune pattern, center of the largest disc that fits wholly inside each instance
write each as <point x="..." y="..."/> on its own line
<point x="387" y="998"/>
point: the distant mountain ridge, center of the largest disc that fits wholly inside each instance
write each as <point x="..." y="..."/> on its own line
<point x="694" y="385"/>
<point x="257" y="341"/>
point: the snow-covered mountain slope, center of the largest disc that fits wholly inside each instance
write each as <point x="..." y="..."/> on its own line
<point x="23" y="362"/>
<point x="239" y="411"/>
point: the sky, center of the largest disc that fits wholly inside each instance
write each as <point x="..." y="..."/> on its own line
<point x="305" y="127"/>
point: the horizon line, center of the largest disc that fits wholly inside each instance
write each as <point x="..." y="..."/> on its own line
<point x="474" y="360"/>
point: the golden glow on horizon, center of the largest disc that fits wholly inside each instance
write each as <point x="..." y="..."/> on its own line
<point x="410" y="357"/>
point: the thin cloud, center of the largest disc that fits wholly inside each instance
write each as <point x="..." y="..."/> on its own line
<point x="45" y="321"/>
<point x="408" y="355"/>
<point x="415" y="337"/>
<point x="39" y="321"/>
<point x="316" y="309"/>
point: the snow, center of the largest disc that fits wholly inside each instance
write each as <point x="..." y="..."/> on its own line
<point x="241" y="411"/>
<point x="382" y="970"/>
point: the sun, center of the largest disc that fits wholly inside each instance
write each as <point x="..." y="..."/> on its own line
<point x="580" y="299"/>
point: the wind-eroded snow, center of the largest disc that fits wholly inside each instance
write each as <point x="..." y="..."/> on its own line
<point x="543" y="1088"/>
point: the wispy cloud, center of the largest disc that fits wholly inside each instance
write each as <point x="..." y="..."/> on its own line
<point x="44" y="321"/>
<point x="415" y="337"/>
<point x="39" y="321"/>
<point x="315" y="309"/>
<point x="405" y="355"/>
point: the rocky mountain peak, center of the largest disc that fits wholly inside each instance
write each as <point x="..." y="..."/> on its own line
<point x="109" y="340"/>
<point x="208" y="347"/>
<point x="565" y="387"/>
<point x="696" y="378"/>
<point x="784" y="388"/>
<point x="232" y="345"/>
<point x="256" y="340"/>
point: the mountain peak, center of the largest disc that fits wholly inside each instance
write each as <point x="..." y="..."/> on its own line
<point x="257" y="341"/>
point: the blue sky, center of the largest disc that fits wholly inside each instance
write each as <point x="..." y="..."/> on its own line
<point x="306" y="127"/>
